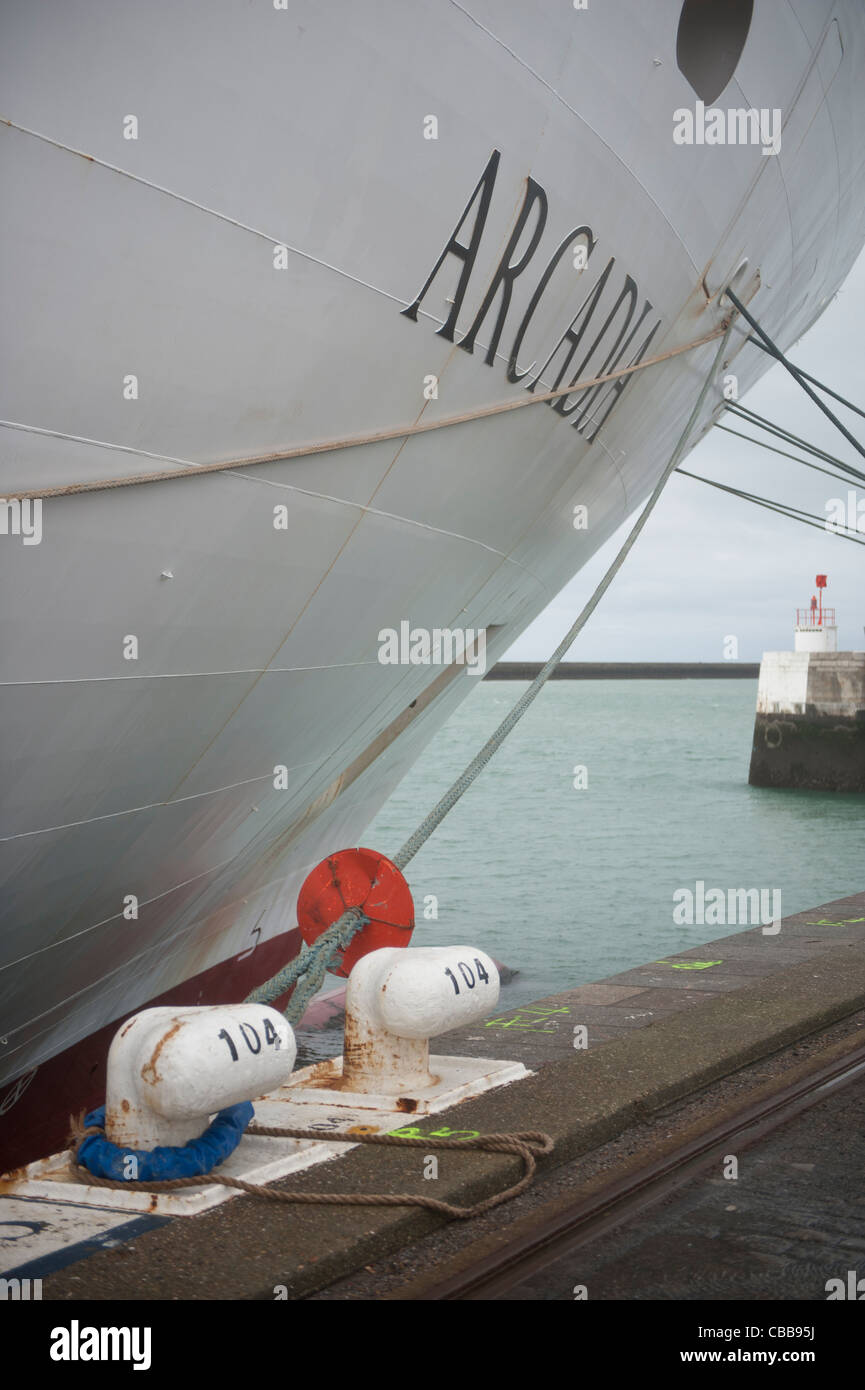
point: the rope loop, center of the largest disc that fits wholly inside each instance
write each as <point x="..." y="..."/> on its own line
<point x="527" y="1145"/>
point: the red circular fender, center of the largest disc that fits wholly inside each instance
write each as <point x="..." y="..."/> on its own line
<point x="357" y="878"/>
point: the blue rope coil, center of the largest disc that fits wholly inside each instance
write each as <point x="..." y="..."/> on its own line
<point x="106" y="1160"/>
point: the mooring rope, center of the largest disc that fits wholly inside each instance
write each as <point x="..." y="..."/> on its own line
<point x="780" y="508"/>
<point x="752" y="418"/>
<point x="494" y="742"/>
<point x="327" y="446"/>
<point x="314" y="970"/>
<point x="310" y="966"/>
<point x="527" y="1145"/>
<point x="773" y="449"/>
<point x="766" y="343"/>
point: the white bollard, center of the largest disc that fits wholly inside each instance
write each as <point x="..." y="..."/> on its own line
<point x="171" y="1069"/>
<point x="397" y="1000"/>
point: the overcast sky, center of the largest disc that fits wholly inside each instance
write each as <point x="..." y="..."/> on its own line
<point x="709" y="565"/>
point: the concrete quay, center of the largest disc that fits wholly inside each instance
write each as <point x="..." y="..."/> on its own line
<point x="654" y="1035"/>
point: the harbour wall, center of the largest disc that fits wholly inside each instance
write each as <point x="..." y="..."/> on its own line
<point x="809" y="730"/>
<point x="627" y="670"/>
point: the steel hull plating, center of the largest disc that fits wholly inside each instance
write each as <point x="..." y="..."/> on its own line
<point x="148" y="840"/>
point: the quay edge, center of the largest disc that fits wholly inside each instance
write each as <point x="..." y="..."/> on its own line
<point x="657" y="1034"/>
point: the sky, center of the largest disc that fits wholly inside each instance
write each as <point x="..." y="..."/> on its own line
<point x="709" y="566"/>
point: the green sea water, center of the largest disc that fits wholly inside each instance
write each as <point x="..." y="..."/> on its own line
<point x="567" y="884"/>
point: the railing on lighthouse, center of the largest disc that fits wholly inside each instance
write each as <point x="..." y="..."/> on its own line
<point x="815" y="626"/>
<point x="814" y="618"/>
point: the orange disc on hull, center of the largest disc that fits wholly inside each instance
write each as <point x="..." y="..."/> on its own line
<point x="357" y="878"/>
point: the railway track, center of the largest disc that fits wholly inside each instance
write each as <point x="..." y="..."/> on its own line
<point x="550" y="1234"/>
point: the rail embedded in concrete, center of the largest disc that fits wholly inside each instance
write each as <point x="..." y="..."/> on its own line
<point x="532" y="1244"/>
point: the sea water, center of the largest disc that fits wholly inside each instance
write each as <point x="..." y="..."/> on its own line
<point x="563" y="859"/>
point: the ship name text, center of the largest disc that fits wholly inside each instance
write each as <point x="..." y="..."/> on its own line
<point x="607" y="330"/>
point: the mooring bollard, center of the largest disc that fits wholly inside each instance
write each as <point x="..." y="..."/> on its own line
<point x="397" y="1000"/>
<point x="171" y="1069"/>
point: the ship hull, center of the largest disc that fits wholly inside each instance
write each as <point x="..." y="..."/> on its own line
<point x="194" y="706"/>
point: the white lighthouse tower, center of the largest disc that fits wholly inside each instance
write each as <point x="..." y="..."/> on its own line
<point x="815" y="626"/>
<point x="809" y="730"/>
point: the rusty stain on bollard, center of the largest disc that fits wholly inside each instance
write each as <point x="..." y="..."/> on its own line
<point x="150" y="1066"/>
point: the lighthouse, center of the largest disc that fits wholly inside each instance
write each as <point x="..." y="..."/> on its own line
<point x="809" y="730"/>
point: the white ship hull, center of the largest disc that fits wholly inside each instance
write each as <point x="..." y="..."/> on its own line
<point x="153" y="779"/>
